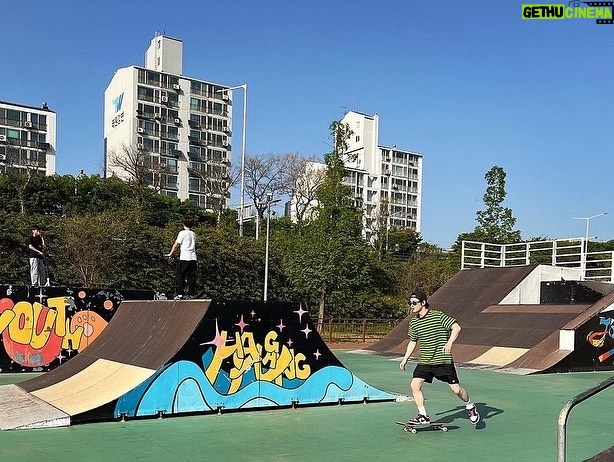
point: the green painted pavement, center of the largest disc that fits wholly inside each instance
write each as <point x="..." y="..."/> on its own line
<point x="520" y="424"/>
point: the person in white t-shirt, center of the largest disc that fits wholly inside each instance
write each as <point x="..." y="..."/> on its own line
<point x="186" y="268"/>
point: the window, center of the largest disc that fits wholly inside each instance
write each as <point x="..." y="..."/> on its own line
<point x="153" y="78"/>
<point x="218" y="108"/>
<point x="195" y="104"/>
<point x="13" y="117"/>
<point x="147" y="110"/>
<point x="170" y="165"/>
<point x="169" y="181"/>
<point x="10" y="133"/>
<point x="145" y="93"/>
<point x="195" y="87"/>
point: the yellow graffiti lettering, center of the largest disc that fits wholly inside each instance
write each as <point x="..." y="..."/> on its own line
<point x="72" y="338"/>
<point x="59" y="304"/>
<point x="20" y="330"/>
<point x="39" y="339"/>
<point x="221" y="353"/>
<point x="277" y="364"/>
<point x="270" y="361"/>
<point x="247" y="353"/>
<point x="5" y="319"/>
<point x="301" y="372"/>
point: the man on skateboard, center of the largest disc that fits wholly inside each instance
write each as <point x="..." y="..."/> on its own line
<point x="436" y="332"/>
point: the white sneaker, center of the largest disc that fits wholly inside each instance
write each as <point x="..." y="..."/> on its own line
<point x="178" y="297"/>
<point x="474" y="415"/>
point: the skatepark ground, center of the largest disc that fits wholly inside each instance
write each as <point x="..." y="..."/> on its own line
<point x="519" y="423"/>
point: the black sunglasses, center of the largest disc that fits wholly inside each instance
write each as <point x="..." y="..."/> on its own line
<point x="413" y="303"/>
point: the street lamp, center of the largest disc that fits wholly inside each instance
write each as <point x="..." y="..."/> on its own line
<point x="269" y="201"/>
<point x="585" y="247"/>
<point x="588" y="220"/>
<point x="242" y="205"/>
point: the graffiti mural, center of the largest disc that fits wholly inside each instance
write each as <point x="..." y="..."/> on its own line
<point x="245" y="356"/>
<point x="40" y="328"/>
<point x="602" y="339"/>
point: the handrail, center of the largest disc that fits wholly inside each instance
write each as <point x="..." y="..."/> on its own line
<point x="562" y="424"/>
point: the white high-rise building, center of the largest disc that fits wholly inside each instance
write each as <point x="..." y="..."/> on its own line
<point x="386" y="180"/>
<point x="176" y="130"/>
<point x="27" y="138"/>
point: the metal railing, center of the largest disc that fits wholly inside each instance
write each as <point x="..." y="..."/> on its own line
<point x="564" y="414"/>
<point x="569" y="253"/>
<point x="365" y="330"/>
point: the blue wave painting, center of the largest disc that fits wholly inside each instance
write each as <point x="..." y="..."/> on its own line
<point x="182" y="387"/>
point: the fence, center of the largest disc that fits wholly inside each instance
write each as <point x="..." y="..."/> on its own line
<point x="569" y="253"/>
<point x="363" y="330"/>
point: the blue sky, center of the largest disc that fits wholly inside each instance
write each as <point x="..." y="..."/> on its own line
<point x="468" y="84"/>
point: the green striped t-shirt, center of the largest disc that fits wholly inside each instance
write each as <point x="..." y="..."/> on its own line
<point x="432" y="331"/>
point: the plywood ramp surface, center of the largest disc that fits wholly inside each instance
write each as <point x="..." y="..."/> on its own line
<point x="99" y="383"/>
<point x="22" y="410"/>
<point x="499" y="356"/>
<point x="144" y="334"/>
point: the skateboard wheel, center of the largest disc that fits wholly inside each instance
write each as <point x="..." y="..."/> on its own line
<point x="444" y="429"/>
<point x="413" y="431"/>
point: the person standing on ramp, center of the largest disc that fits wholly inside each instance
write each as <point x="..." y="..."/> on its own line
<point x="186" y="268"/>
<point x="36" y="247"/>
<point x="436" y="332"/>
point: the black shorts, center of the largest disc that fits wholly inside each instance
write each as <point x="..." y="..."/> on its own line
<point x="443" y="372"/>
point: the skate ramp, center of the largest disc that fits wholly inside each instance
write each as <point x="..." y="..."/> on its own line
<point x="464" y="296"/>
<point x="519" y="318"/>
<point x="185" y="357"/>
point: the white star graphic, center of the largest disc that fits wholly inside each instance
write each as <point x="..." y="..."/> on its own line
<point x="300" y="312"/>
<point x="306" y="331"/>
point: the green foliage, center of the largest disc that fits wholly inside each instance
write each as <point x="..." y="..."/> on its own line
<point x="105" y="232"/>
<point x="429" y="269"/>
<point x="496" y="222"/>
<point x="403" y="243"/>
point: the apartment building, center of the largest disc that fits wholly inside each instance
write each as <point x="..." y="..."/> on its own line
<point x="27" y="138"/>
<point x="386" y="180"/>
<point x="174" y="130"/>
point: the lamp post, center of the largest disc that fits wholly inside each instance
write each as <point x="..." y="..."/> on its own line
<point x="242" y="204"/>
<point x="585" y="247"/>
<point x="269" y="201"/>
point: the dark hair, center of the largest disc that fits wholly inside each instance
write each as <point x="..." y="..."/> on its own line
<point x="420" y="295"/>
<point x="188" y="222"/>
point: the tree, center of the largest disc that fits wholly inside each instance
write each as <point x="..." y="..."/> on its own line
<point x="216" y="180"/>
<point x="264" y="175"/>
<point x="303" y="177"/>
<point x="496" y="222"/>
<point x="429" y="269"/>
<point x="331" y="259"/>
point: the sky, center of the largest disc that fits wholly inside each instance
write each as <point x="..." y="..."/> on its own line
<point x="468" y="84"/>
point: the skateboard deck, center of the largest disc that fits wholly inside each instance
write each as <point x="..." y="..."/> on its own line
<point x="413" y="428"/>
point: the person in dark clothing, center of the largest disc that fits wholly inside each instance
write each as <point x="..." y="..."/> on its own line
<point x="38" y="269"/>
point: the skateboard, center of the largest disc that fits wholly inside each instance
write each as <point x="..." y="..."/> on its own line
<point x="413" y="428"/>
